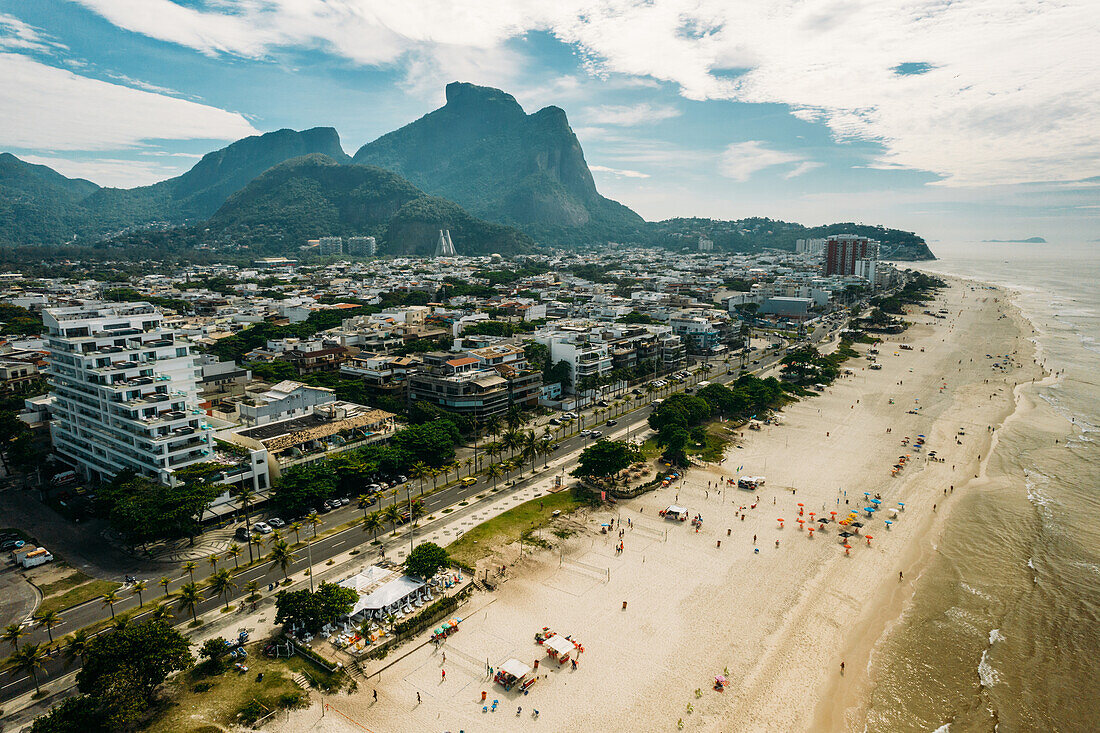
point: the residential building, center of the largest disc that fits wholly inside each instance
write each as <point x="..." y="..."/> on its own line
<point x="221" y="377"/>
<point x="364" y="246"/>
<point x="16" y="373"/>
<point x="330" y="246"/>
<point x="812" y="247"/>
<point x="125" y="391"/>
<point x="479" y="383"/>
<point x="843" y="250"/>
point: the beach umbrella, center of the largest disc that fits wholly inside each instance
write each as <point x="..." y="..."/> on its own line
<point x="876" y="501"/>
<point x="810" y="529"/>
<point x="823" y="520"/>
<point x="845" y="534"/>
<point x="780" y="520"/>
<point x="801" y="504"/>
<point x="856" y="524"/>
<point x="902" y="505"/>
<point x="869" y="538"/>
<point x="847" y="549"/>
<point x="888" y="523"/>
<point x="720" y="679"/>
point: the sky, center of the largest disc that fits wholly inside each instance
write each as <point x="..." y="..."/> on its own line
<point x="957" y="119"/>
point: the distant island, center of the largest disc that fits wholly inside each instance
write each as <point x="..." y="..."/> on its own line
<point x="1029" y="240"/>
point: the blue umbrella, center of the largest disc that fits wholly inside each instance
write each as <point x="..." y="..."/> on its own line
<point x="876" y="501"/>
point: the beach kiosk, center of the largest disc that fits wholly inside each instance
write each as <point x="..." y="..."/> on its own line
<point x="675" y="512"/>
<point x="559" y="648"/>
<point x="748" y="483"/>
<point x="514" y="672"/>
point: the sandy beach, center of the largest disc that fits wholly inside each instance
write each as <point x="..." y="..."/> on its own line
<point x="778" y="622"/>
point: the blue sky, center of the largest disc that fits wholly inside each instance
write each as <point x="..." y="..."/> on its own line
<point x="965" y="120"/>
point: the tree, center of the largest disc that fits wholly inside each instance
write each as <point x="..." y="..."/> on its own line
<point x="302" y="487"/>
<point x="137" y="589"/>
<point x="313" y="519"/>
<point x="77" y="714"/>
<point x="48" y="619"/>
<point x="494" y="471"/>
<point x="416" y="510"/>
<point x="190" y="598"/>
<point x="372" y="523"/>
<point x="189" y="567"/>
<point x="420" y="472"/>
<point x="674" y="440"/>
<point x="122" y="669"/>
<point x="234" y="551"/>
<point x="110" y="598"/>
<point x="161" y="613"/>
<point x="605" y="458"/>
<point x="212" y="558"/>
<point x="141" y="509"/>
<point x="164" y="583"/>
<point x="392" y="514"/>
<point x="221" y="583"/>
<point x="425" y="560"/>
<point x="282" y="556"/>
<point x="244" y="495"/>
<point x="313" y="609"/>
<point x="78" y="644"/>
<point x="296" y="528"/>
<point x="213" y="651"/>
<point x="28" y="659"/>
<point x="12" y="634"/>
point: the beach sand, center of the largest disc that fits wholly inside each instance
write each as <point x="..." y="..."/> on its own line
<point x="777" y="623"/>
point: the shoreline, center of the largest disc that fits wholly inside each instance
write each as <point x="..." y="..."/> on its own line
<point x="810" y="607"/>
<point x="848" y="711"/>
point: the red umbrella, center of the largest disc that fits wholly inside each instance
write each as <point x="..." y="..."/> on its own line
<point x="800" y="504"/>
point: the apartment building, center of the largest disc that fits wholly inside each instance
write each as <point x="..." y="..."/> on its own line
<point x="125" y="391"/>
<point x="479" y="383"/>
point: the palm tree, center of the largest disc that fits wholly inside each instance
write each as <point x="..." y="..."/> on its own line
<point x="78" y="644"/>
<point x="258" y="541"/>
<point x="420" y="471"/>
<point x="364" y="504"/>
<point x="49" y="619"/>
<point x="283" y="556"/>
<point x="221" y="583"/>
<point x="435" y="474"/>
<point x="494" y="471"/>
<point x="514" y="418"/>
<point x="511" y="440"/>
<point x="372" y="523"/>
<point x="313" y="519"/>
<point x="12" y="634"/>
<point x="28" y="659"/>
<point x="469" y="463"/>
<point x="189" y="567"/>
<point x="253" y="588"/>
<point x="296" y="528"/>
<point x="161" y="613"/>
<point x="494" y="449"/>
<point x="244" y="494"/>
<point x="164" y="583"/>
<point x="530" y="450"/>
<point x="234" y="551"/>
<point x="392" y="514"/>
<point x="546" y="448"/>
<point x="110" y="598"/>
<point x="138" y="589"/>
<point x="190" y="598"/>
<point x="416" y="510"/>
<point x="493" y="425"/>
<point x="213" y="560"/>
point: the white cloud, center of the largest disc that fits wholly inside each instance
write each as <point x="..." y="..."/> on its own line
<point x="629" y="115"/>
<point x="740" y="161"/>
<point x="47" y="108"/>
<point x="15" y="35"/>
<point x="1010" y="95"/>
<point x="114" y="172"/>
<point x="617" y="172"/>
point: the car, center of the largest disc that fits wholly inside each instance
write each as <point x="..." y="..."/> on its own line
<point x="596" y="434"/>
<point x="7" y="544"/>
<point x="602" y="403"/>
<point x="332" y="503"/>
<point x="263" y="527"/>
<point x="402" y="479"/>
<point x="368" y="501"/>
<point x="469" y="481"/>
<point x="554" y="421"/>
<point x="276" y="523"/>
<point x="325" y="508"/>
<point x="612" y="423"/>
<point x="374" y="487"/>
<point x="344" y="500"/>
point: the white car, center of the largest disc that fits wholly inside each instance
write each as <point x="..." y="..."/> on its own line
<point x="262" y="527"/>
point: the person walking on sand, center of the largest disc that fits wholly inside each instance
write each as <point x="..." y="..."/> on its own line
<point x="418" y="698"/>
<point x="376" y="695"/>
<point x="443" y="678"/>
<point x="842" y="667"/>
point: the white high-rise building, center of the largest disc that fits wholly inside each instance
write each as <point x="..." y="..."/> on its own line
<point x="125" y="391"/>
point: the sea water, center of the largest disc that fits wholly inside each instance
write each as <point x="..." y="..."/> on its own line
<point x="1002" y="631"/>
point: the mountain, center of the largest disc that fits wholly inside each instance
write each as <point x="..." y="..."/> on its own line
<point x="755" y="234"/>
<point x="37" y="202"/>
<point x="200" y="191"/>
<point x="315" y="196"/>
<point x="1029" y="240"/>
<point x="482" y="151"/>
<point x="40" y="206"/>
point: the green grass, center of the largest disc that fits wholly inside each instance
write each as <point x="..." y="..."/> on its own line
<point x="511" y="525"/>
<point x="77" y="595"/>
<point x="223" y="695"/>
<point x="713" y="450"/>
<point x="64" y="584"/>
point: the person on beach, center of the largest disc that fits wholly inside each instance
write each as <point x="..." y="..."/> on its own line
<point x="443" y="675"/>
<point x="418" y="698"/>
<point x="842" y="667"/>
<point x="376" y="695"/>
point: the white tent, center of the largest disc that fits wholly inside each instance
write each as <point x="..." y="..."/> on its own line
<point x="559" y="644"/>
<point x="676" y="511"/>
<point x="516" y="668"/>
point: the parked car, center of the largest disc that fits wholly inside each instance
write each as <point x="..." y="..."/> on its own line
<point x="263" y="527"/>
<point x="332" y="503"/>
<point x="402" y="479"/>
<point x="612" y="423"/>
<point x="325" y="508"/>
<point x="276" y="523"/>
<point x="555" y="421"/>
<point x="369" y="501"/>
<point x="344" y="500"/>
<point x="602" y="403"/>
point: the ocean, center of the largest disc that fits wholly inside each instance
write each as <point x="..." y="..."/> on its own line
<point x="1002" y="630"/>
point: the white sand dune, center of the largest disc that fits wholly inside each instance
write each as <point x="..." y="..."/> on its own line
<point x="779" y="621"/>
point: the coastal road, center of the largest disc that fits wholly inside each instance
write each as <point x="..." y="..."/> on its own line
<point x="326" y="547"/>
